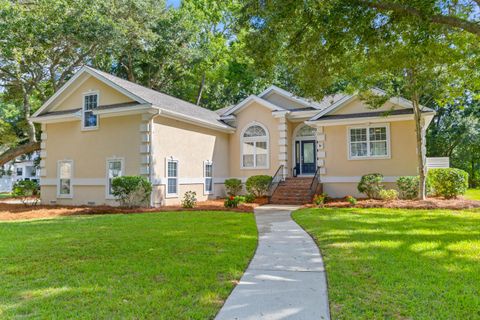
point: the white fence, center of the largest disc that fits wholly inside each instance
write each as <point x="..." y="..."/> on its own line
<point x="6" y="184"/>
<point x="439" y="162"/>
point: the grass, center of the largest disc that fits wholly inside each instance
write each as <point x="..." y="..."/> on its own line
<point x="5" y="195"/>
<point x="473" y="194"/>
<point x="178" y="265"/>
<point x="399" y="264"/>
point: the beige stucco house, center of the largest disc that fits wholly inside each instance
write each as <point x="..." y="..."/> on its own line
<point x="98" y="126"/>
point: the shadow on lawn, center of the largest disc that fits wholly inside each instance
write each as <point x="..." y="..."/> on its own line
<point x="400" y="263"/>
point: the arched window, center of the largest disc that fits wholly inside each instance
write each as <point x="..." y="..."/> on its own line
<point x="306" y="131"/>
<point x="254" y="146"/>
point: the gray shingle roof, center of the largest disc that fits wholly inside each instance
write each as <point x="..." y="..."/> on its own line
<point x="164" y="101"/>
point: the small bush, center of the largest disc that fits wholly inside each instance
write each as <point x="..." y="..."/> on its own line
<point x="319" y="199"/>
<point x="132" y="191"/>
<point x="408" y="186"/>
<point x="448" y="182"/>
<point x="25" y="189"/>
<point x="351" y="200"/>
<point x="388" y="195"/>
<point x="250" y="198"/>
<point x="232" y="202"/>
<point x="371" y="185"/>
<point x="233" y="186"/>
<point x="258" y="185"/>
<point x="189" y="199"/>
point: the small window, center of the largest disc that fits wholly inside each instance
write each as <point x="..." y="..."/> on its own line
<point x="19" y="171"/>
<point x="255" y="147"/>
<point x="65" y="173"/>
<point x="90" y="103"/>
<point x="172" y="177"/>
<point x="208" y="176"/>
<point x="114" y="169"/>
<point x="369" y="142"/>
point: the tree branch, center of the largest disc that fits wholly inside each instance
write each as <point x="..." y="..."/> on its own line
<point x="451" y="21"/>
<point x="12" y="153"/>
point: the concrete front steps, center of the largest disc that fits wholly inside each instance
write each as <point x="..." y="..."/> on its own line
<point x="295" y="191"/>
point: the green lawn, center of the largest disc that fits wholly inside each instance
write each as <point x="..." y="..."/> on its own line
<point x="399" y="264"/>
<point x="473" y="194"/>
<point x="5" y="195"/>
<point x="138" y="266"/>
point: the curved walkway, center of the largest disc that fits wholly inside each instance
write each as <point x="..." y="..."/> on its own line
<point x="286" y="278"/>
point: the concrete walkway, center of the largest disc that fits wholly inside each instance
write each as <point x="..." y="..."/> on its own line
<point x="286" y="278"/>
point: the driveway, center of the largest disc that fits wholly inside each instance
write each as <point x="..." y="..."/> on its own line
<point x="286" y="278"/>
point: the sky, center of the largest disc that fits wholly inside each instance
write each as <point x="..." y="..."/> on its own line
<point x="174" y="3"/>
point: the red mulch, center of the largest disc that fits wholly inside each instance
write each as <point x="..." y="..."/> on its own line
<point x="24" y="212"/>
<point x="430" y="203"/>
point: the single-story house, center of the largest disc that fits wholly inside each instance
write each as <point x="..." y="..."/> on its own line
<point x="98" y="126"/>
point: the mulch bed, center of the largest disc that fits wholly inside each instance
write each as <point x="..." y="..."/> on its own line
<point x="10" y="212"/>
<point x="430" y="203"/>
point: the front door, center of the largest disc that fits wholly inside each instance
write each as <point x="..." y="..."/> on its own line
<point x="305" y="157"/>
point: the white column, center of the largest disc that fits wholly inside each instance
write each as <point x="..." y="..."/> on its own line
<point x="283" y="144"/>
<point x="321" y="150"/>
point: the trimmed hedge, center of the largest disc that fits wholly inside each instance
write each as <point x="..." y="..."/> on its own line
<point x="233" y="186"/>
<point x="448" y="182"/>
<point x="371" y="185"/>
<point x="132" y="191"/>
<point x="258" y="185"/>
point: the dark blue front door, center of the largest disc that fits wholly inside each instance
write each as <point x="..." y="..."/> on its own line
<point x="305" y="157"/>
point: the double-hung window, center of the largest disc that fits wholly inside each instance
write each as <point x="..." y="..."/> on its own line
<point x="114" y="169"/>
<point x="65" y="174"/>
<point x="90" y="103"/>
<point x="255" y="147"/>
<point x="208" y="176"/>
<point x="172" y="178"/>
<point x="367" y="142"/>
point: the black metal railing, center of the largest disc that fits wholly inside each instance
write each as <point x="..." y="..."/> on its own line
<point x="315" y="182"/>
<point x="277" y="178"/>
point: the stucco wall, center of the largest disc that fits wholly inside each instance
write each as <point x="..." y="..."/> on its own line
<point x="191" y="145"/>
<point x="403" y="160"/>
<point x="262" y="115"/>
<point x="116" y="137"/>
<point x="74" y="96"/>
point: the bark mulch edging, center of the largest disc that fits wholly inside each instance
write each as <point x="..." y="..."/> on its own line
<point x="430" y="203"/>
<point x="11" y="212"/>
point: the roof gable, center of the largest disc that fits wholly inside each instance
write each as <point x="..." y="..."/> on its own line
<point x="249" y="101"/>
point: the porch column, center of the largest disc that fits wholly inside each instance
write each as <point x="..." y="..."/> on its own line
<point x="283" y="143"/>
<point x="321" y="150"/>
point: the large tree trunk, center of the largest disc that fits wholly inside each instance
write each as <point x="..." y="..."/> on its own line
<point x="27" y="109"/>
<point x="420" y="152"/>
<point x="18" y="151"/>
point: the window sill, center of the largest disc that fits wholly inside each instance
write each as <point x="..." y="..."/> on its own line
<point x="370" y="158"/>
<point x="59" y="196"/>
<point x="171" y="196"/>
<point x="89" y="128"/>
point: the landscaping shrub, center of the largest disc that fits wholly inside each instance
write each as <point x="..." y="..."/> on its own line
<point x="388" y="195"/>
<point x="371" y="185"/>
<point x="25" y="189"/>
<point x="233" y="186"/>
<point x="189" y="199"/>
<point x="132" y="191"/>
<point x="250" y="198"/>
<point x="351" y="200"/>
<point x="408" y="186"/>
<point x="232" y="202"/>
<point x="448" y="182"/>
<point x="258" y="185"/>
<point x="319" y="199"/>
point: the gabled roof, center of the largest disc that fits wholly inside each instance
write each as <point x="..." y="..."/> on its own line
<point x="247" y="101"/>
<point x="168" y="105"/>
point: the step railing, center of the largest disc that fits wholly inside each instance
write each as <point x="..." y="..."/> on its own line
<point x="315" y="182"/>
<point x="277" y="178"/>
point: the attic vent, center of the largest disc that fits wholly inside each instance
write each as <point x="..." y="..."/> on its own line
<point x="91" y="203"/>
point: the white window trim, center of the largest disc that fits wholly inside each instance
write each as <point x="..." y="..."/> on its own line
<point x="167" y="160"/>
<point x="255" y="139"/>
<point x="70" y="195"/>
<point x="205" y="191"/>
<point x="89" y="93"/>
<point x="368" y="156"/>
<point x="122" y="163"/>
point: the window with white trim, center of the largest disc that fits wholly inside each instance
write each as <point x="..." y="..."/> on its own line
<point x="114" y="169"/>
<point x="208" y="176"/>
<point x="65" y="174"/>
<point x="90" y="103"/>
<point x="255" y="147"/>
<point x="172" y="177"/>
<point x="369" y="142"/>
